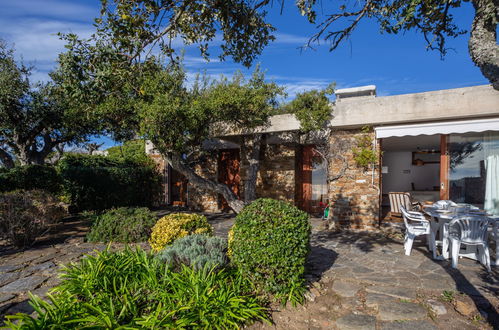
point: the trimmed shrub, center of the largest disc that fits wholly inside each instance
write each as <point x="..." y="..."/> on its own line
<point x="198" y="251"/>
<point x="31" y="177"/>
<point x="269" y="244"/>
<point x="177" y="225"/>
<point x="99" y="183"/>
<point x="25" y="215"/>
<point x="131" y="289"/>
<point x="124" y="225"/>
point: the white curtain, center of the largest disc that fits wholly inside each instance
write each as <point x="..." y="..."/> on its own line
<point x="491" y="204"/>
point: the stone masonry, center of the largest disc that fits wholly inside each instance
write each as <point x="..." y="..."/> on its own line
<point x="201" y="199"/>
<point x="354" y="192"/>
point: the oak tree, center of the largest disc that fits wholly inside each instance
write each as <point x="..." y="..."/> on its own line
<point x="34" y="118"/>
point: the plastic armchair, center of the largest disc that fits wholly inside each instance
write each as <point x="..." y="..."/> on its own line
<point x="494" y="231"/>
<point x="469" y="230"/>
<point x="401" y="199"/>
<point x="416" y="225"/>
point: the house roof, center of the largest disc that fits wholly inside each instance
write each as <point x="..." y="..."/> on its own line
<point x="450" y="104"/>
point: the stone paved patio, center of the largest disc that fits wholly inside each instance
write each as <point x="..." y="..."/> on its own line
<point x="357" y="281"/>
<point x="362" y="280"/>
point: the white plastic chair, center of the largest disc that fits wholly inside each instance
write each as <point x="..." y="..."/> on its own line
<point x="399" y="200"/>
<point x="469" y="230"/>
<point x="416" y="225"/>
<point x="494" y="233"/>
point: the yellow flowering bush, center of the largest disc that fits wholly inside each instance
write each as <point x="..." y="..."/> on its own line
<point x="177" y="225"/>
<point x="230" y="240"/>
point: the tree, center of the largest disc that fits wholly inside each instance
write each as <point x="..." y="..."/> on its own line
<point x="433" y="18"/>
<point x="132" y="150"/>
<point x="34" y="120"/>
<point x="178" y="121"/>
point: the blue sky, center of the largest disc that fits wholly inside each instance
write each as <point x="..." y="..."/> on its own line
<point x="396" y="64"/>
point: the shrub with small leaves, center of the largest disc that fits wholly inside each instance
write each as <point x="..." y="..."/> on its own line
<point x="269" y="244"/>
<point x="197" y="251"/>
<point x="124" y="225"/>
<point x="25" y="215"/>
<point x="177" y="225"/>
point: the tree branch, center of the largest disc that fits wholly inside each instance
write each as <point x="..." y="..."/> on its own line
<point x="178" y="164"/>
<point x="6" y="159"/>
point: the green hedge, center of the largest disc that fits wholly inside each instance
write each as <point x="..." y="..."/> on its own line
<point x="269" y="243"/>
<point x="30" y="177"/>
<point x="98" y="182"/>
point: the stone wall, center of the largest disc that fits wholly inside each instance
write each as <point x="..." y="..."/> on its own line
<point x="276" y="177"/>
<point x="200" y="199"/>
<point x="354" y="191"/>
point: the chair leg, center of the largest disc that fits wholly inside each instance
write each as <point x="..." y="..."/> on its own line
<point x="455" y="247"/>
<point x="497" y="249"/>
<point x="433" y="244"/>
<point x="408" y="244"/>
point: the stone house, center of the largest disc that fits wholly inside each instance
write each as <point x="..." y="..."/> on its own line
<point x="436" y="145"/>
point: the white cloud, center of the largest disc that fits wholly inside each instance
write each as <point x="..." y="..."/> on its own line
<point x="286" y="38"/>
<point x="66" y="10"/>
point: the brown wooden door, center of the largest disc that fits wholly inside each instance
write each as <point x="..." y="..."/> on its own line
<point x="177" y="188"/>
<point x="228" y="173"/>
<point x="304" y="190"/>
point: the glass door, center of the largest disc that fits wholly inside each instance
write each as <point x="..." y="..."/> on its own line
<point x="474" y="169"/>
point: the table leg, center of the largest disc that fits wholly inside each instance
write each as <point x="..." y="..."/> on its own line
<point x="445" y="242"/>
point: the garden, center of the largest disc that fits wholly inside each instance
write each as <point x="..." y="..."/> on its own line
<point x="169" y="272"/>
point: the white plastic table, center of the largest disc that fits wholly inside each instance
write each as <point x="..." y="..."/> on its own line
<point x="440" y="217"/>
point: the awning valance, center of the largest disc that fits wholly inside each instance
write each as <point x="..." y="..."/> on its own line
<point x="448" y="127"/>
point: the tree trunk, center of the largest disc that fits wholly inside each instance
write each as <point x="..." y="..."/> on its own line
<point x="178" y="164"/>
<point x="482" y="45"/>
<point x="6" y="159"/>
<point x="251" y="148"/>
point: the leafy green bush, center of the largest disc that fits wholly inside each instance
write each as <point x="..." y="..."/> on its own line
<point x="198" y="251"/>
<point x="364" y="153"/>
<point x="25" y="215"/>
<point x="125" y="225"/>
<point x="131" y="150"/>
<point x="31" y="177"/>
<point x="176" y="225"/>
<point x="99" y="183"/>
<point x="269" y="244"/>
<point x="132" y="289"/>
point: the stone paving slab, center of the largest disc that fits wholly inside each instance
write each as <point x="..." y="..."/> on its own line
<point x="373" y="300"/>
<point x="394" y="291"/>
<point x="23" y="284"/>
<point x="393" y="310"/>
<point x="356" y="322"/>
<point x="409" y="325"/>
<point x="346" y="289"/>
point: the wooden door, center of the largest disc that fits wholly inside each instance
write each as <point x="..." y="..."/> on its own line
<point x="304" y="178"/>
<point x="177" y="188"/>
<point x="228" y="173"/>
